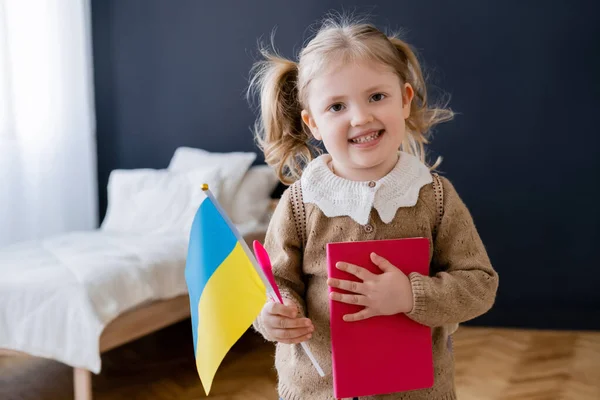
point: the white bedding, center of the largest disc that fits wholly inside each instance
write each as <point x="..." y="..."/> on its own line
<point x="57" y="295"/>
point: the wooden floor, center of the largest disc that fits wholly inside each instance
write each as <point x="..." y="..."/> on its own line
<point x="491" y="364"/>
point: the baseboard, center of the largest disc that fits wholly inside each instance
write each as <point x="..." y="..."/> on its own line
<point x="550" y="318"/>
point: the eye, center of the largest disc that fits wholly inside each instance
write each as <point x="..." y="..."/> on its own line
<point x="336" y="107"/>
<point x="378" y="97"/>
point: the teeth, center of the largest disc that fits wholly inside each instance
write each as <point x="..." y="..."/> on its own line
<point x="365" y="139"/>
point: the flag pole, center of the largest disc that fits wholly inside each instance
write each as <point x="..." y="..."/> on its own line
<point x="258" y="269"/>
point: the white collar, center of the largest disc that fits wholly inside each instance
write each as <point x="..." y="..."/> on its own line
<point x="337" y="196"/>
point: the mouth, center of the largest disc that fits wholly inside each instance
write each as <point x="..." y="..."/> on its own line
<point x="367" y="138"/>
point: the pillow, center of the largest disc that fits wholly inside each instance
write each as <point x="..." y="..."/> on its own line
<point x="252" y="200"/>
<point x="157" y="201"/>
<point x="233" y="167"/>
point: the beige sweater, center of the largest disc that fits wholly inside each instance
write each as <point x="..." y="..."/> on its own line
<point x="462" y="285"/>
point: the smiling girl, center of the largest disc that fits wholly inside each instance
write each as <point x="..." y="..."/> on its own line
<point x="362" y="94"/>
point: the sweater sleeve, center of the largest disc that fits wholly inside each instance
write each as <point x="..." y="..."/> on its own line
<point x="285" y="251"/>
<point x="466" y="285"/>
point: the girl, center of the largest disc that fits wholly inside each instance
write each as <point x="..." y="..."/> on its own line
<point x="362" y="94"/>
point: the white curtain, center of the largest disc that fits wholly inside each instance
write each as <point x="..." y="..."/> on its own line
<point x="47" y="123"/>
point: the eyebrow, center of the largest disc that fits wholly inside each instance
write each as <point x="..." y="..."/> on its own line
<point x="369" y="90"/>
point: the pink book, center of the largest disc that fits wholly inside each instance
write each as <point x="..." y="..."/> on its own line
<point x="384" y="354"/>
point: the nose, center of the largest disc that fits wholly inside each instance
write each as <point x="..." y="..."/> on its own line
<point x="361" y="116"/>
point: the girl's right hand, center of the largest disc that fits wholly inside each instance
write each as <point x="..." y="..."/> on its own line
<point x="282" y="324"/>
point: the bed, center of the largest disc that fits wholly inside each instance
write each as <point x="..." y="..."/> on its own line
<point x="73" y="296"/>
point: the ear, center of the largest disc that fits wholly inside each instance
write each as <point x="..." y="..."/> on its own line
<point x="310" y="122"/>
<point x="407" y="98"/>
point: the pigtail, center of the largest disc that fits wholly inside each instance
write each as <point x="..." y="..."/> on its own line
<point x="279" y="131"/>
<point x="423" y="117"/>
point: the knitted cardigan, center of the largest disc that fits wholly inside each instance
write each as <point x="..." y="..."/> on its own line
<point x="462" y="283"/>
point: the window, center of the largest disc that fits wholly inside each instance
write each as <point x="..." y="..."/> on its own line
<point x="6" y="114"/>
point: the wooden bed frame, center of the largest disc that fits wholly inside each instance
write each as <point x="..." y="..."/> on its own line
<point x="131" y="325"/>
<point x="125" y="328"/>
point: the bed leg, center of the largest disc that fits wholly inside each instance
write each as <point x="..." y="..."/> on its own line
<point x="82" y="381"/>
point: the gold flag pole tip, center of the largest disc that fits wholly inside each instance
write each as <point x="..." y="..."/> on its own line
<point x="205" y="187"/>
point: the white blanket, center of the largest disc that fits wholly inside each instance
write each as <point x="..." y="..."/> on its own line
<point x="57" y="295"/>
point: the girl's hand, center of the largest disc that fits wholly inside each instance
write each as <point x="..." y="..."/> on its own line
<point x="385" y="294"/>
<point x="282" y="324"/>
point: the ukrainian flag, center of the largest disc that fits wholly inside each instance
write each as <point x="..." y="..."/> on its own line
<point x="225" y="287"/>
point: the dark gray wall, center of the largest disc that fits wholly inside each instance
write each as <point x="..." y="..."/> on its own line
<point x="522" y="152"/>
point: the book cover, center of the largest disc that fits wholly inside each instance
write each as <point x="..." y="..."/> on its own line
<point x="383" y="354"/>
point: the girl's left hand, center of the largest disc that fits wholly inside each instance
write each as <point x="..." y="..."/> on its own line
<point x="384" y="294"/>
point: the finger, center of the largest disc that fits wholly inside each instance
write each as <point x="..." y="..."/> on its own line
<point x="382" y="263"/>
<point x="290" y="334"/>
<point x="349" y="298"/>
<point x="289" y="302"/>
<point x="278" y="322"/>
<point x="351" y="286"/>
<point x="296" y="340"/>
<point x="359" y="316"/>
<point x="289" y="311"/>
<point x="355" y="270"/>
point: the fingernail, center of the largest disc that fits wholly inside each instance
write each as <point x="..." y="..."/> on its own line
<point x="339" y="265"/>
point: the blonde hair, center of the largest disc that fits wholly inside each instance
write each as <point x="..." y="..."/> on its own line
<point x="283" y="84"/>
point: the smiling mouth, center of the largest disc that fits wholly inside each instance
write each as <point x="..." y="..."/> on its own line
<point x="367" y="138"/>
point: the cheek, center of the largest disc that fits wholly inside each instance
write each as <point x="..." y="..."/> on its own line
<point x="398" y="126"/>
<point x="401" y="123"/>
<point x="334" y="130"/>
<point x="334" y="140"/>
<point x="341" y="134"/>
<point x="393" y="118"/>
<point x="401" y="128"/>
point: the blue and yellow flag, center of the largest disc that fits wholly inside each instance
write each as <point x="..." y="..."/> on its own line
<point x="226" y="291"/>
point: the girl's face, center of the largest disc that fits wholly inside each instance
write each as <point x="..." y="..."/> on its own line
<point x="359" y="112"/>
